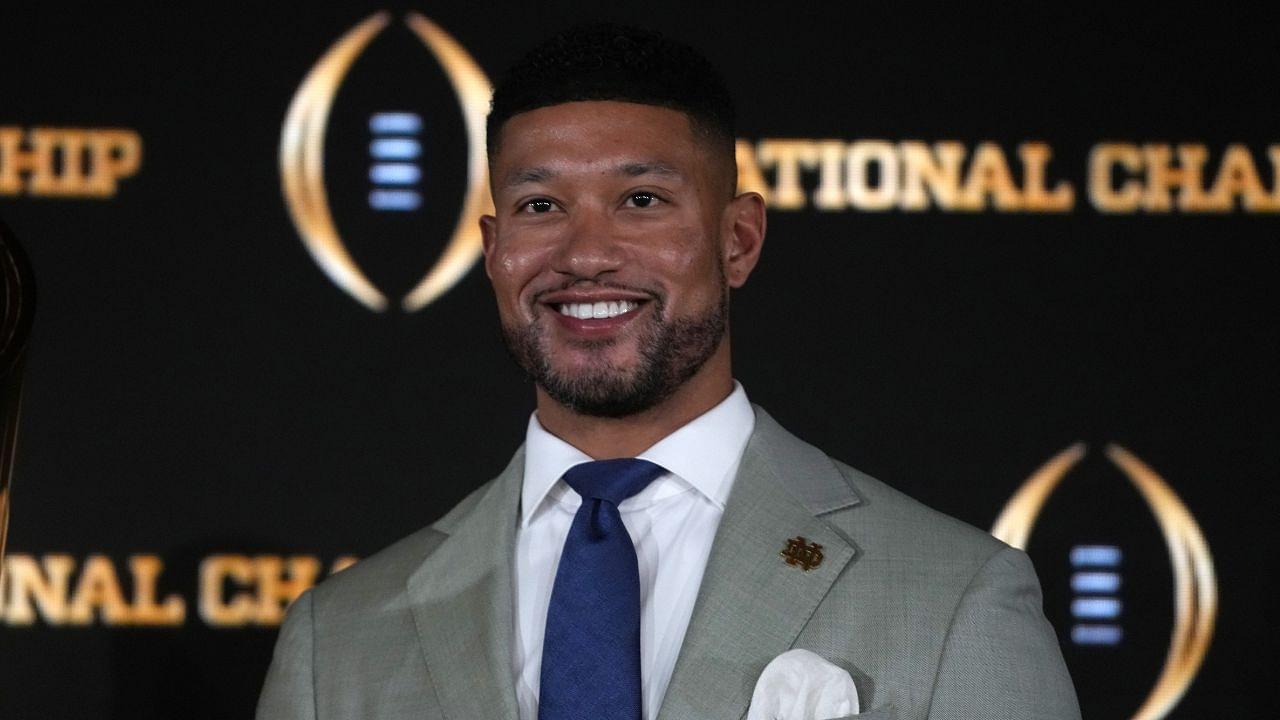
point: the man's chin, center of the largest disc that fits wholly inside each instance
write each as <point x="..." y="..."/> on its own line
<point x="598" y="360"/>
<point x="601" y="400"/>
<point x="602" y="390"/>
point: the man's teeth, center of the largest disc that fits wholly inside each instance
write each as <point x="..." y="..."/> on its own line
<point x="584" y="311"/>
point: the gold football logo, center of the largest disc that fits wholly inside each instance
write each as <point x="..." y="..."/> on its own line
<point x="1195" y="599"/>
<point x="302" y="162"/>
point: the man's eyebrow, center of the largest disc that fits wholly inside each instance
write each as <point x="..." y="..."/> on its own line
<point x="636" y="169"/>
<point x="521" y="176"/>
<point x="527" y="175"/>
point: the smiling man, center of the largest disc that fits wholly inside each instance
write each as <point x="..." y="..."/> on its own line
<point x="615" y="241"/>
<point x="657" y="540"/>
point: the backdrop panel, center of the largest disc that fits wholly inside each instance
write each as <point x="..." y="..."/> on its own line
<point x="1003" y="246"/>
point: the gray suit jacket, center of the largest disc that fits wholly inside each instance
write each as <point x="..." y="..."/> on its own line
<point x="933" y="618"/>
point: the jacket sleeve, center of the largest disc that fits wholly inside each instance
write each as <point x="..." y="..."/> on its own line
<point x="289" y="690"/>
<point x="1001" y="659"/>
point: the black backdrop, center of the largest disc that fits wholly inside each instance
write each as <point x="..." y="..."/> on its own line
<point x="197" y="387"/>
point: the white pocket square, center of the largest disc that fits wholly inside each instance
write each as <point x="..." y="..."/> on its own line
<point x="801" y="685"/>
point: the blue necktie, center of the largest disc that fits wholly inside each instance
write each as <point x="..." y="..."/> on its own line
<point x="591" y="650"/>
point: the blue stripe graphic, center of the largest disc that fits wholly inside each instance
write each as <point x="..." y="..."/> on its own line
<point x="1095" y="582"/>
<point x="394" y="173"/>
<point x="1096" y="634"/>
<point x="403" y="123"/>
<point x="1096" y="608"/>
<point x="1096" y="556"/>
<point x="395" y="149"/>
<point x="394" y="200"/>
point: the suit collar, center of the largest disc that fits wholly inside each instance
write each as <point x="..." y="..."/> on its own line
<point x="752" y="605"/>
<point x="811" y="477"/>
<point x="461" y="600"/>
<point x="750" y="608"/>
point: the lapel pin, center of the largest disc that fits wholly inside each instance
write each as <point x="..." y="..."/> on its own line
<point x="802" y="553"/>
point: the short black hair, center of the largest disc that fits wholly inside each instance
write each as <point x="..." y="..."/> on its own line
<point x="604" y="61"/>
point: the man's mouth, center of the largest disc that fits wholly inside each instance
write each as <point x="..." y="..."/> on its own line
<point x="595" y="310"/>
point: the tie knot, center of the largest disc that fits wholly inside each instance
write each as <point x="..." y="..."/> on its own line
<point x="612" y="480"/>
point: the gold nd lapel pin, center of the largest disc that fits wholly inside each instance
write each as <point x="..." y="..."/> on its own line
<point x="802" y="553"/>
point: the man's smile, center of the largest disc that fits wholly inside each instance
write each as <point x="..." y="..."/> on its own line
<point x="596" y="318"/>
<point x="597" y="310"/>
<point x="594" y="311"/>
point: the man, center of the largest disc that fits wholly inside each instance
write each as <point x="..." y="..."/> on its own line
<point x="660" y="582"/>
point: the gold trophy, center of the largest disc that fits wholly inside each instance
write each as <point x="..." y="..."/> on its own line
<point x="17" y="306"/>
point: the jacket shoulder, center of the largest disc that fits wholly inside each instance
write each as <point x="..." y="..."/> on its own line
<point x="382" y="575"/>
<point x="911" y="527"/>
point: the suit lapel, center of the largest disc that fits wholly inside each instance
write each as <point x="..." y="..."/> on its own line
<point x="462" y="604"/>
<point x="752" y="604"/>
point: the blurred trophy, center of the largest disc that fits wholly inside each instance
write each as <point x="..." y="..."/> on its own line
<point x="17" y="305"/>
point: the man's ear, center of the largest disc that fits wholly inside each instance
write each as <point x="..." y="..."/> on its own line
<point x="743" y="237"/>
<point x="488" y="238"/>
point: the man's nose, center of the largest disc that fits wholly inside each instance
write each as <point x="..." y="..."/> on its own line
<point x="590" y="246"/>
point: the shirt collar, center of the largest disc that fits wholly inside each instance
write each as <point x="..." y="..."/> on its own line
<point x="704" y="453"/>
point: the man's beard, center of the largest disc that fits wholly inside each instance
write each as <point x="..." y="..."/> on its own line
<point x="671" y="352"/>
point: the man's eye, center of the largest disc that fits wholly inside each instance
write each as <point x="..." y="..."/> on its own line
<point x="539" y="206"/>
<point x="642" y="199"/>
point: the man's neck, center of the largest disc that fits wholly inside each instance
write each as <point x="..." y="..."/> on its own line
<point x="602" y="438"/>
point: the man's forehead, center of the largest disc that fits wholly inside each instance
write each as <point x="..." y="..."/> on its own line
<point x="609" y="138"/>
<point x="578" y="120"/>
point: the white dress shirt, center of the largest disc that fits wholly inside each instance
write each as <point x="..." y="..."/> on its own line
<point x="671" y="522"/>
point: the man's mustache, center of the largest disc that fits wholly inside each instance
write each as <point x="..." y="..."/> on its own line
<point x="653" y="294"/>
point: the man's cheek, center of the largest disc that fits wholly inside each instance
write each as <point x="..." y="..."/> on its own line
<point x="506" y="264"/>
